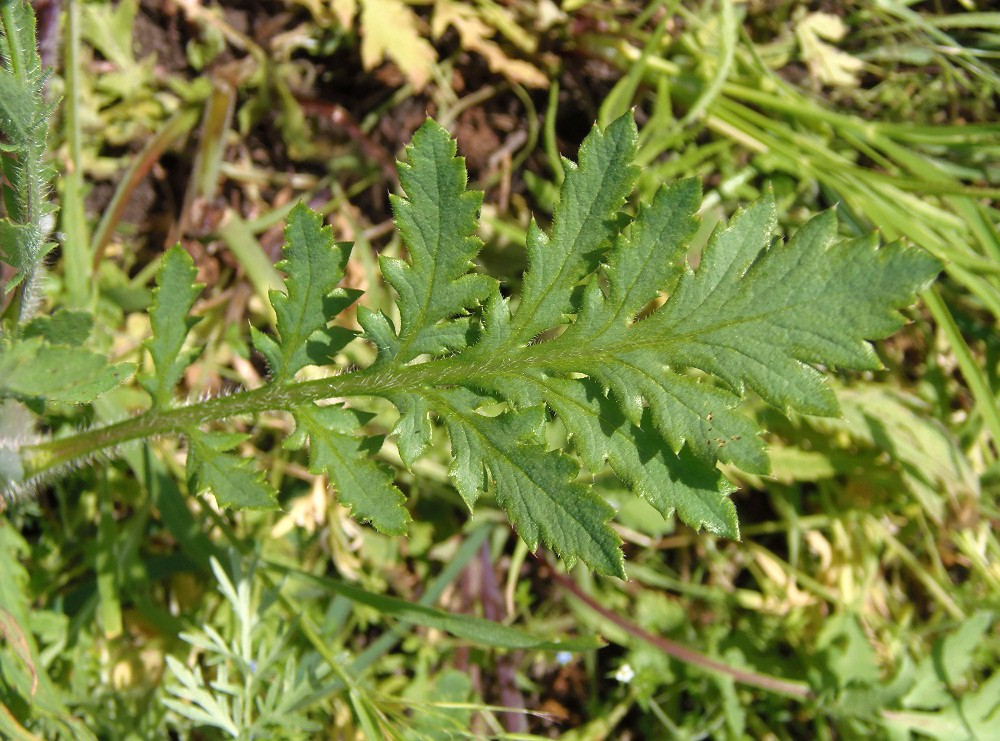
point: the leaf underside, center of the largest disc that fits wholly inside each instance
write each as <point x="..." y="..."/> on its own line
<point x="647" y="387"/>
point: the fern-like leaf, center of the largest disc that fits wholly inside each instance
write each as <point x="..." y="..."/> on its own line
<point x="658" y="403"/>
<point x="642" y="358"/>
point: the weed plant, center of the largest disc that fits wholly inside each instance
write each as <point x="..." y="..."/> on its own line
<point x="176" y="543"/>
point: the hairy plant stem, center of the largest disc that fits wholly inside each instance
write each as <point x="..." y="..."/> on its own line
<point x="474" y="365"/>
<point x="26" y="207"/>
<point x="41" y="458"/>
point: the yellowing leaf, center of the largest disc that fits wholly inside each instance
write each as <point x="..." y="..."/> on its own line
<point x="826" y="63"/>
<point x="345" y="10"/>
<point x="474" y="35"/>
<point x="389" y="30"/>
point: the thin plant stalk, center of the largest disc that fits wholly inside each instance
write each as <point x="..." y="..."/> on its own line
<point x="78" y="264"/>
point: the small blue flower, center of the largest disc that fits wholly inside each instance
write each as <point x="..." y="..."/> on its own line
<point x="564" y="657"/>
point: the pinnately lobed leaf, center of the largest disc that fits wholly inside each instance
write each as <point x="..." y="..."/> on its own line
<point x="642" y="358"/>
<point x="654" y="397"/>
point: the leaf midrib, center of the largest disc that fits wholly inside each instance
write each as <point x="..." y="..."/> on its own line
<point x="371" y="381"/>
<point x="550" y="355"/>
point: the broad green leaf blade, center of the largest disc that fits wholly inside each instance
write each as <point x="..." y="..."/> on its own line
<point x="438" y="222"/>
<point x="363" y="484"/>
<point x="314" y="264"/>
<point x="234" y="481"/>
<point x="169" y="319"/>
<point x="583" y="225"/>
<point x="477" y="630"/>
<point x="535" y="486"/>
<point x="33" y="369"/>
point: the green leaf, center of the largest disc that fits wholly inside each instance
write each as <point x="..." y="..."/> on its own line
<point x="64" y="327"/>
<point x="21" y="245"/>
<point x="109" y="29"/>
<point x="26" y="682"/>
<point x="173" y="298"/>
<point x="583" y="225"/>
<point x="652" y="391"/>
<point x="949" y="661"/>
<point x="24" y="115"/>
<point x="413" y="431"/>
<point x="314" y="265"/>
<point x="22" y="105"/>
<point x="761" y="316"/>
<point x="438" y="222"/>
<point x="363" y="484"/>
<point x="642" y="459"/>
<point x="535" y="486"/>
<point x="34" y="369"/>
<point x="643" y="359"/>
<point x="234" y="481"/>
<point x="479" y="631"/>
<point x="751" y="316"/>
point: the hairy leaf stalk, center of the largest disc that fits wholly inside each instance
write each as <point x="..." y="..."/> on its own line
<point x="41" y="458"/>
<point x="23" y="123"/>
